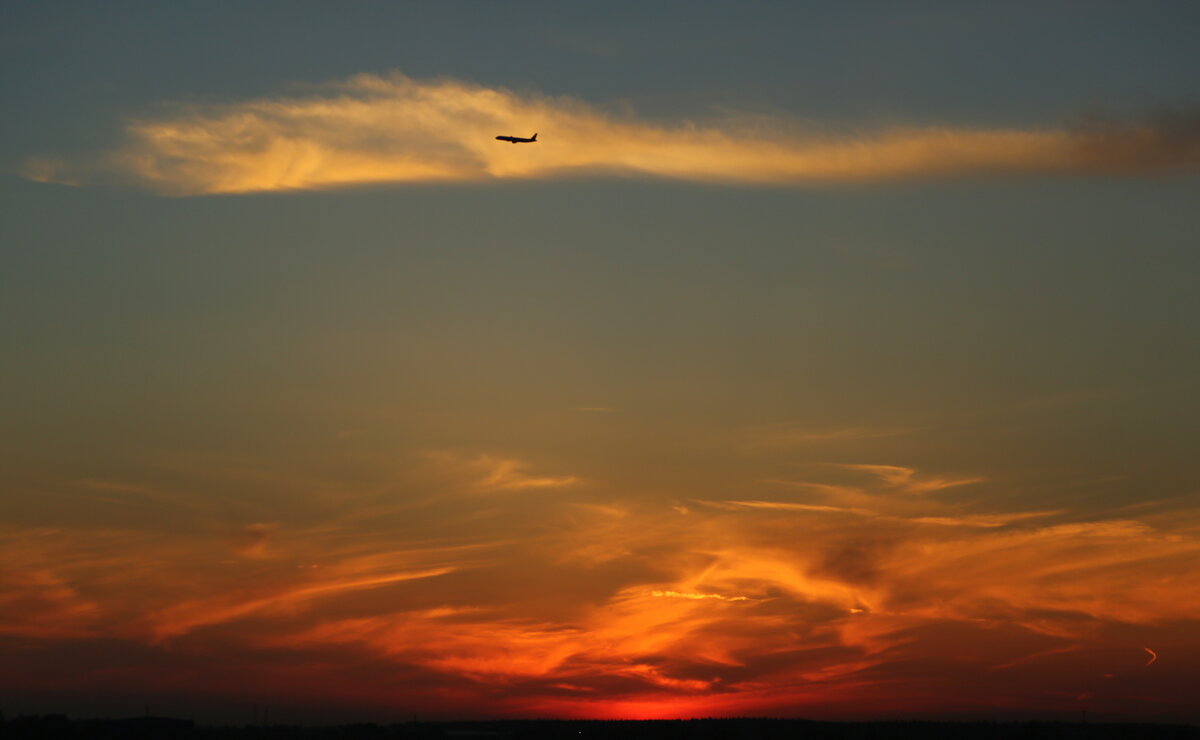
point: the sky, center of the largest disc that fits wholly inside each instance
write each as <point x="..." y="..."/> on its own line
<point x="827" y="360"/>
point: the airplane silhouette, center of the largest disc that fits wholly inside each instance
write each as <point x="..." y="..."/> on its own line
<point x="517" y="139"/>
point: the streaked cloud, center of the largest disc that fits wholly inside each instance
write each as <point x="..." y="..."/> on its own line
<point x="789" y="506"/>
<point x="968" y="520"/>
<point x="509" y="474"/>
<point x="380" y="129"/>
<point x="683" y="595"/>
<point x="907" y="480"/>
<point x="463" y="473"/>
<point x="39" y="603"/>
<point x="190" y="615"/>
<point x="811" y="596"/>
<point x="252" y="540"/>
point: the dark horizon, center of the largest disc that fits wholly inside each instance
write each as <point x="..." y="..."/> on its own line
<point x="733" y="728"/>
<point x="252" y="714"/>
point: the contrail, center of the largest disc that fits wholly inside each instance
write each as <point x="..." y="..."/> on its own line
<point x="1153" y="655"/>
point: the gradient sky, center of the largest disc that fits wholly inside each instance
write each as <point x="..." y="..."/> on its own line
<point x="835" y="360"/>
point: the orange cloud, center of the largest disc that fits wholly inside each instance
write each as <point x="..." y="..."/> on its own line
<point x="487" y="473"/>
<point x="684" y="595"/>
<point x="39" y="603"/>
<point x="187" y="616"/>
<point x="373" y="129"/>
<point x="618" y="604"/>
<point x="906" y="480"/>
<point x="508" y="474"/>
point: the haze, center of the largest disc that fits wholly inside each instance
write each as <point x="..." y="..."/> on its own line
<point x="826" y="360"/>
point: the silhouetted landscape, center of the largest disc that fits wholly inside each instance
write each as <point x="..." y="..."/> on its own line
<point x="165" y="728"/>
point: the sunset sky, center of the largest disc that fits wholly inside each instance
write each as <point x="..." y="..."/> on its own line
<point x="835" y="360"/>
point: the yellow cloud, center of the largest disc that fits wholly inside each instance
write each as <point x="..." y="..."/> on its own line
<point x="373" y="129"/>
<point x="508" y="474"/>
<point x="689" y="595"/>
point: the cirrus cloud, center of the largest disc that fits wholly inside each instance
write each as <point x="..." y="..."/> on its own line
<point x="825" y="598"/>
<point x="389" y="129"/>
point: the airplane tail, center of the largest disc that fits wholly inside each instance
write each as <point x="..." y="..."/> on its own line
<point x="534" y="138"/>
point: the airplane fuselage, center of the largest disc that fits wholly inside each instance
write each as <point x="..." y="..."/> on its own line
<point x="517" y="139"/>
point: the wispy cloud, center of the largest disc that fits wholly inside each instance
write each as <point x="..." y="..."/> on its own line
<point x="790" y="506"/>
<point x="687" y="595"/>
<point x="835" y="593"/>
<point x="39" y="603"/>
<point x="949" y="520"/>
<point x="187" y="616"/>
<point x="373" y="129"/>
<point x="509" y="475"/>
<point x="465" y="474"/>
<point x="906" y="479"/>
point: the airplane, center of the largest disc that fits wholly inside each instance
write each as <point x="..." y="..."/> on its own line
<point x="517" y="139"/>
